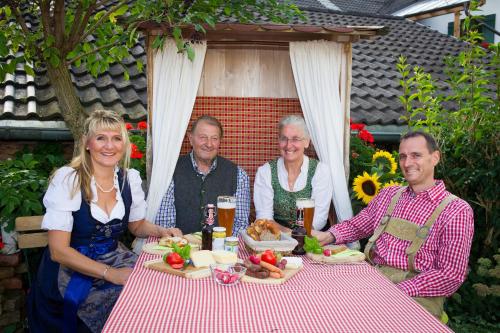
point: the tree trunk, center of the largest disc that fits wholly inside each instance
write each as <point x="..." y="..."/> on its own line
<point x="69" y="103"/>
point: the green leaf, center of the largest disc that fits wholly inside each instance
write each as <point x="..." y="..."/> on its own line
<point x="190" y="52"/>
<point x="29" y="70"/>
<point x="122" y="10"/>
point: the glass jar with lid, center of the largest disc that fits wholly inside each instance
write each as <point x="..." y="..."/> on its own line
<point x="231" y="244"/>
<point x="218" y="237"/>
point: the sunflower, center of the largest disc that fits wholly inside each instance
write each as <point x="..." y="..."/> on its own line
<point x="366" y="187"/>
<point x="391" y="183"/>
<point x="385" y="158"/>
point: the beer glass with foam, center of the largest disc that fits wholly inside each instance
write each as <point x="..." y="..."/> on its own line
<point x="307" y="205"/>
<point x="226" y="209"/>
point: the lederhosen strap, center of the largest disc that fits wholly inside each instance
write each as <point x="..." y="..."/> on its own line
<point x="423" y="232"/>
<point x="406" y="230"/>
<point x="383" y="224"/>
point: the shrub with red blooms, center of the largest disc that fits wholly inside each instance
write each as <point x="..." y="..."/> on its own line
<point x="363" y="133"/>
<point x="138" y="146"/>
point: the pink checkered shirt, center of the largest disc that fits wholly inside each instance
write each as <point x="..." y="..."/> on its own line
<point x="442" y="259"/>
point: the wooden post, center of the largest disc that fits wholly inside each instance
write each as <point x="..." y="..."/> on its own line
<point x="456" y="25"/>
<point x="346" y="96"/>
<point x="149" y="146"/>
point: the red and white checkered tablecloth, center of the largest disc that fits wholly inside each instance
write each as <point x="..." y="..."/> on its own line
<point x="320" y="298"/>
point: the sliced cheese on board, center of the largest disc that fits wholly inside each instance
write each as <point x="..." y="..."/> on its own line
<point x="202" y="258"/>
<point x="225" y="257"/>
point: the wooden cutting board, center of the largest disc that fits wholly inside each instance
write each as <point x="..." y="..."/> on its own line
<point x="344" y="257"/>
<point x="289" y="273"/>
<point x="190" y="272"/>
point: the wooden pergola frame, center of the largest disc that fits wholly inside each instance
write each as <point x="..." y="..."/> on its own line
<point x="262" y="36"/>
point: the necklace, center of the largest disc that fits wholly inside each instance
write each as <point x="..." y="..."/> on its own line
<point x="103" y="190"/>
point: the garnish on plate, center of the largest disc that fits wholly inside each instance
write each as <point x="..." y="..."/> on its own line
<point x="312" y="245"/>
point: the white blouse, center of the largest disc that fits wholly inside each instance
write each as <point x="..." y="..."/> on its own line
<point x="60" y="205"/>
<point x="322" y="190"/>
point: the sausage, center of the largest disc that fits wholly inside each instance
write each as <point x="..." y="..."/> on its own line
<point x="262" y="274"/>
<point x="251" y="267"/>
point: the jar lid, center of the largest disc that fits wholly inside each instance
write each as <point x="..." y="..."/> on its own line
<point x="231" y="239"/>
<point x="219" y="229"/>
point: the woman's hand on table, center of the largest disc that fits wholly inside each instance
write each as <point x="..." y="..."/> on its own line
<point x="324" y="237"/>
<point x="170" y="232"/>
<point x="118" y="276"/>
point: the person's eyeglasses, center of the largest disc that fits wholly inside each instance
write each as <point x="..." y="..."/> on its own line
<point x="285" y="140"/>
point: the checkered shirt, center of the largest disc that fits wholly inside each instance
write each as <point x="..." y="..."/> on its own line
<point x="166" y="214"/>
<point x="442" y="260"/>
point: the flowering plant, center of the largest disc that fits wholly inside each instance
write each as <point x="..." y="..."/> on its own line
<point x="371" y="169"/>
<point x="138" y="145"/>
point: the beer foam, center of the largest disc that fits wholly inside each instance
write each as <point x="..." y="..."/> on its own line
<point x="226" y="205"/>
<point x="305" y="203"/>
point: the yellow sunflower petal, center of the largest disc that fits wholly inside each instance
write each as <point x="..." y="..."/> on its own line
<point x="366" y="187"/>
<point x="387" y="159"/>
<point x="391" y="183"/>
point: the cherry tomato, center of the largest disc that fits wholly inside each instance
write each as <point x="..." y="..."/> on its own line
<point x="174" y="260"/>
<point x="269" y="257"/>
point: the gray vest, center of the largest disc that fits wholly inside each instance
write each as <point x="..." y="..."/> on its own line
<point x="192" y="193"/>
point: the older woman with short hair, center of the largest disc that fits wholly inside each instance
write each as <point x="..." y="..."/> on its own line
<point x="280" y="182"/>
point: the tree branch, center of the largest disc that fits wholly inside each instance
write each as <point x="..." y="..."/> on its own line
<point x="14" y="6"/>
<point x="76" y="23"/>
<point x="104" y="17"/>
<point x="45" y="9"/>
<point x="93" y="51"/>
<point x="59" y="24"/>
<point x="76" y="38"/>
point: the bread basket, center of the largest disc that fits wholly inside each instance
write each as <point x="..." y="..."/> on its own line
<point x="285" y="244"/>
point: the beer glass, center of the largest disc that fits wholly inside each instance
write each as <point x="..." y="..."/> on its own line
<point x="226" y="208"/>
<point x="307" y="205"/>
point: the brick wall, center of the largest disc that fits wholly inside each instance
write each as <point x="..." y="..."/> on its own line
<point x="12" y="295"/>
<point x="9" y="148"/>
<point x="250" y="127"/>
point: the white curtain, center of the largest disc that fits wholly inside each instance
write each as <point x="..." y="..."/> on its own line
<point x="317" y="68"/>
<point x="175" y="84"/>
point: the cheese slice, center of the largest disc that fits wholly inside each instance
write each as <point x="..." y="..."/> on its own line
<point x="202" y="258"/>
<point x="225" y="257"/>
<point x="293" y="262"/>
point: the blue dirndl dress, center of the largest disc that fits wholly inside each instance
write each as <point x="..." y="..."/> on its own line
<point x="62" y="300"/>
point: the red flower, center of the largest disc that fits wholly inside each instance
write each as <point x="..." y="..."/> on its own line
<point x="142" y="125"/>
<point x="1" y="245"/>
<point x="485" y="45"/>
<point x="365" y="136"/>
<point x="129" y="126"/>
<point x="136" y="153"/>
<point x="357" y="127"/>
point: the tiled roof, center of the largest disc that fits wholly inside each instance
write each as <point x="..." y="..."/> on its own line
<point x="371" y="7"/>
<point x="375" y="90"/>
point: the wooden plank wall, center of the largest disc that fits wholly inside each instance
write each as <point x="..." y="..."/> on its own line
<point x="247" y="73"/>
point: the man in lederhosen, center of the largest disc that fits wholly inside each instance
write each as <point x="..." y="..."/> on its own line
<point x="420" y="234"/>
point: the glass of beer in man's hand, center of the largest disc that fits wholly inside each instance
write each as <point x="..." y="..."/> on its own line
<point x="226" y="208"/>
<point x="307" y="205"/>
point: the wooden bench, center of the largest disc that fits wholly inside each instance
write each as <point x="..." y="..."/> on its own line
<point x="30" y="233"/>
